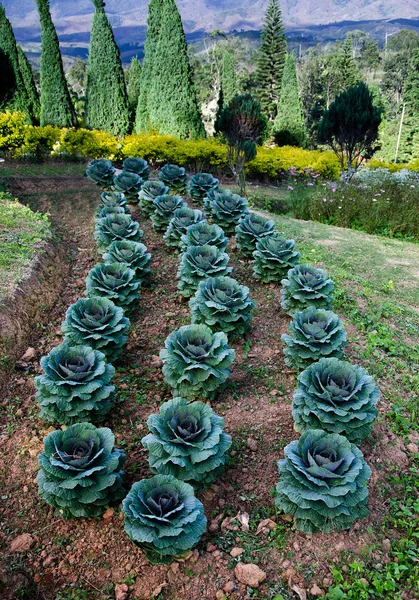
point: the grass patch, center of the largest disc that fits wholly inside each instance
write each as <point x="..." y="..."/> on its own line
<point x="21" y="234"/>
<point x="45" y="169"/>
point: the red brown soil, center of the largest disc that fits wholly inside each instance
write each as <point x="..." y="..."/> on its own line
<point x="94" y="554"/>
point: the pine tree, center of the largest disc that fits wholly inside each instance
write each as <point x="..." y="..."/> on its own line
<point x="172" y="103"/>
<point x="271" y="60"/>
<point x="142" y="120"/>
<point x="134" y="85"/>
<point x="15" y="95"/>
<point x="29" y="81"/>
<point x="56" y="106"/>
<point x="289" y="127"/>
<point x="349" y="71"/>
<point x="228" y="78"/>
<point x="106" y="94"/>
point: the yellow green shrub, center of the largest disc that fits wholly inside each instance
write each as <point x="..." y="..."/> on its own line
<point x="273" y="163"/>
<point x="87" y="143"/>
<point x="40" y="141"/>
<point x="12" y="132"/>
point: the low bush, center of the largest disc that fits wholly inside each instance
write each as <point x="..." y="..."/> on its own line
<point x="86" y="143"/>
<point x="12" y="132"/>
<point x="40" y="141"/>
<point x="81" y="471"/>
<point x="187" y="441"/>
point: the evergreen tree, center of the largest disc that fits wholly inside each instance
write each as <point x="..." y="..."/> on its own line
<point x="7" y="80"/>
<point x="16" y="96"/>
<point x="271" y="60"/>
<point x="56" y="106"/>
<point x="349" y="71"/>
<point x="142" y="120"/>
<point x="289" y="127"/>
<point x="228" y="85"/>
<point x="29" y="82"/>
<point x="172" y="103"/>
<point x="134" y="85"/>
<point x="106" y="94"/>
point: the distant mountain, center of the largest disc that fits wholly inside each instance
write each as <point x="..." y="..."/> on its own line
<point x="75" y="16"/>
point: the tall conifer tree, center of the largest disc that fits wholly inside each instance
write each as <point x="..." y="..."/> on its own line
<point x="271" y="60"/>
<point x="228" y="78"/>
<point x="56" y="106"/>
<point x="142" y="120"/>
<point x="106" y="94"/>
<point x="289" y="127"/>
<point x="172" y="104"/>
<point x="134" y="84"/>
<point x="29" y="81"/>
<point x="16" y="97"/>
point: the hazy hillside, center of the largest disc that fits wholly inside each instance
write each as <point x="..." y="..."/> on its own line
<point x="75" y="16"/>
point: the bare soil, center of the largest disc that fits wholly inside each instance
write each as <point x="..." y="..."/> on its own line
<point x="93" y="554"/>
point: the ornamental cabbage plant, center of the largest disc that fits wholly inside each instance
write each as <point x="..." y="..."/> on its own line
<point x="197" y="264"/>
<point x="201" y="184"/>
<point x="132" y="254"/>
<point x="226" y="209"/>
<point x="323" y="482"/>
<point x="116" y="227"/>
<point x="203" y="234"/>
<point x="115" y="281"/>
<point x="129" y="184"/>
<point x="196" y="361"/>
<point x="98" y="323"/>
<point x="224" y="305"/>
<point x="150" y="191"/>
<point x="313" y="334"/>
<point x="113" y="199"/>
<point x="187" y="441"/>
<point x="111" y="210"/>
<point x="101" y="172"/>
<point x="273" y="257"/>
<point x="81" y="471"/>
<point x="138" y="166"/>
<point x="164" y="208"/>
<point x="76" y="385"/>
<point x="250" y="230"/>
<point x="175" y="178"/>
<point x="306" y="286"/>
<point x="182" y="219"/>
<point x="338" y="397"/>
<point x="163" y="517"/>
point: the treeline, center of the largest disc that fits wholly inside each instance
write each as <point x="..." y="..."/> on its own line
<point x="180" y="91"/>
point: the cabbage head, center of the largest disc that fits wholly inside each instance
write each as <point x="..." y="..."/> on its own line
<point x="101" y="172"/>
<point x="201" y="184"/>
<point x="116" y="227"/>
<point x="323" y="482"/>
<point x="132" y="254"/>
<point x="138" y="166"/>
<point x="114" y="281"/>
<point x="129" y="184"/>
<point x="273" y="257"/>
<point x="196" y="361"/>
<point x="226" y="209"/>
<point x="306" y="286"/>
<point x="250" y="230"/>
<point x="182" y="219"/>
<point x="110" y="200"/>
<point x="111" y="210"/>
<point x="164" y="208"/>
<point x="81" y="471"/>
<point x="338" y="397"/>
<point x="175" y="178"/>
<point x="313" y="334"/>
<point x="150" y="191"/>
<point x="187" y="441"/>
<point x="98" y="323"/>
<point x="164" y="518"/>
<point x="75" y="386"/>
<point x="224" y="305"/>
<point x="197" y="264"/>
<point x="203" y="234"/>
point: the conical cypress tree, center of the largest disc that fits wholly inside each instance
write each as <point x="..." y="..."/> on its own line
<point x="106" y="94"/>
<point x="56" y="106"/>
<point x="29" y="81"/>
<point x="289" y="127"/>
<point x="142" y="120"/>
<point x="172" y="103"/>
<point x="271" y="60"/>
<point x="15" y="95"/>
<point x="228" y="78"/>
<point x="134" y="84"/>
